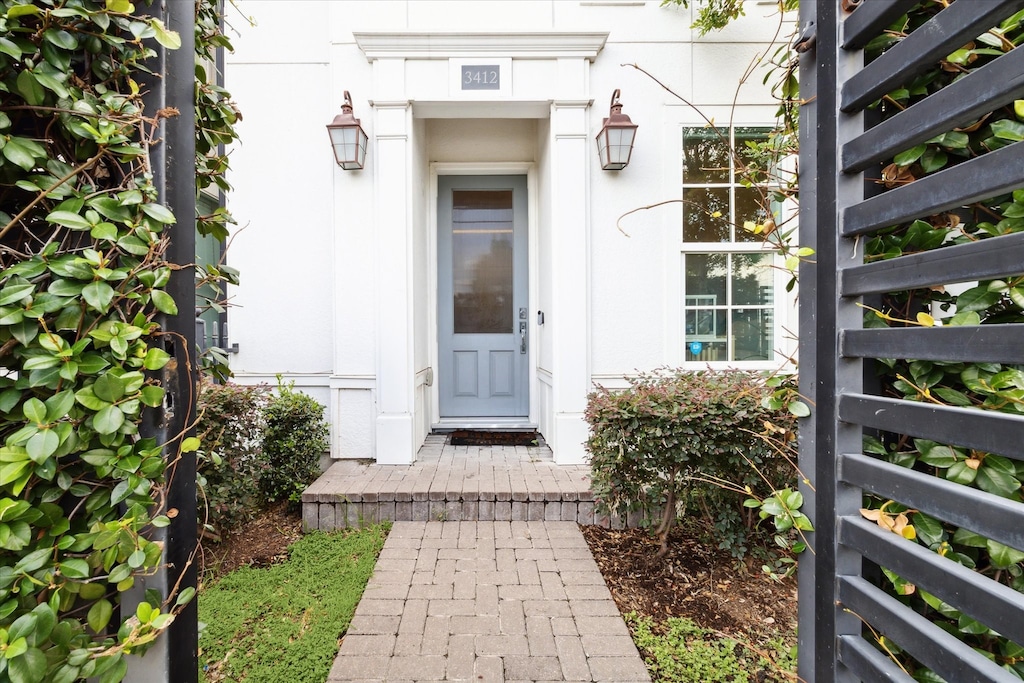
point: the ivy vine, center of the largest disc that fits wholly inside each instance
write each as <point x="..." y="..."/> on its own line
<point x="83" y="240"/>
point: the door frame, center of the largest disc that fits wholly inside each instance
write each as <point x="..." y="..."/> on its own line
<point x="533" y="232"/>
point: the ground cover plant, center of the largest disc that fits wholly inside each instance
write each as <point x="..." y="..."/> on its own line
<point x="282" y="623"/>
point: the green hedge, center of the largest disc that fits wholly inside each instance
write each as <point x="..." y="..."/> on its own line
<point x="679" y="442"/>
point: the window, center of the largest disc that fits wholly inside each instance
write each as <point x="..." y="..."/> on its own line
<point x="729" y="274"/>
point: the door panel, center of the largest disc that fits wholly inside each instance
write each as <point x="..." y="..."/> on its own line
<point x="482" y="296"/>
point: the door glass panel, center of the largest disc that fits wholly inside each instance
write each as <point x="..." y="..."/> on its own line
<point x="482" y="261"/>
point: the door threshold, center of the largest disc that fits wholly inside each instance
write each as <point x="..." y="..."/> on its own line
<point x="507" y="424"/>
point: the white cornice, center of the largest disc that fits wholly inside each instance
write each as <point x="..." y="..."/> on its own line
<point x="444" y="45"/>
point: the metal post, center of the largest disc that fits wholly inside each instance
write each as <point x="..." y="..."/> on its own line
<point x="174" y="657"/>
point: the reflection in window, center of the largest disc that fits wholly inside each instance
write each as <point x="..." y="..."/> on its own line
<point x="728" y="290"/>
<point x="729" y="307"/>
<point x="482" y="261"/>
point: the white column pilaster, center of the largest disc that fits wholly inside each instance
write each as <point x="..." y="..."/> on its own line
<point x="570" y="243"/>
<point x="393" y="226"/>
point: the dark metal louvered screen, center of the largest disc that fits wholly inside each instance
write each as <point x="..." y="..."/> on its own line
<point x="845" y="610"/>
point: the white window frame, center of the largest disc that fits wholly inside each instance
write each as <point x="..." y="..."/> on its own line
<point x="784" y="303"/>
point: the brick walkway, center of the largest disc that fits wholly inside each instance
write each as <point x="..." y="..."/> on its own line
<point x="487" y="601"/>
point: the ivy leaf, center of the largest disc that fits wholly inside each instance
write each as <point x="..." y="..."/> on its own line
<point x="108" y="420"/>
<point x="42" y="445"/>
<point x="159" y="212"/>
<point x="155" y="359"/>
<point x="799" y="408"/>
<point x="30" y="89"/>
<point x="21" y="11"/>
<point x="117" y="672"/>
<point x="59" y="405"/>
<point x="68" y="220"/>
<point x="961" y="473"/>
<point x="1005" y="129"/>
<point x="61" y="38"/>
<point x="1003" y="556"/>
<point x="34" y="411"/>
<point x="88" y="399"/>
<point x="20" y="153"/>
<point x="169" y="39"/>
<point x="929" y="529"/>
<point x="99" y="615"/>
<point x="164" y="302"/>
<point x="75" y="568"/>
<point x="30" y="667"/>
<point x="10" y="48"/>
<point x="15" y="292"/>
<point x="98" y="295"/>
<point x="108" y="388"/>
<point x="976" y="299"/>
<point x="104" y="231"/>
<point x="122" y="6"/>
<point x="991" y="480"/>
<point x="910" y="156"/>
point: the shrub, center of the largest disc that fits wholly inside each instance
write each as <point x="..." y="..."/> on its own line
<point x="231" y="462"/>
<point x="675" y="440"/>
<point x="296" y="436"/>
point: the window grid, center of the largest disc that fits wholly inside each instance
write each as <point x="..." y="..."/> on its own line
<point x="749" y="325"/>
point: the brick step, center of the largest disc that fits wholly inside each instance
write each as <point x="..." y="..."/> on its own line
<point x="329" y="516"/>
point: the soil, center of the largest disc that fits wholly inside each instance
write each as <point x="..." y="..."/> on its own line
<point x="694" y="580"/>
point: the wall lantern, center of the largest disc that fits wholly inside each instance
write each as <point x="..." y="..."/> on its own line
<point x="615" y="140"/>
<point x="348" y="138"/>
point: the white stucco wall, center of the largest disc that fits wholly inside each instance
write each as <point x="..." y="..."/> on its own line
<point x="314" y="305"/>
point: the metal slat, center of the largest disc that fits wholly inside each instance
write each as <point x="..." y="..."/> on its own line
<point x="997" y="606"/>
<point x="986" y="176"/>
<point x="983" y="260"/>
<point x="871" y="18"/>
<point x="994" y="517"/>
<point x="984" y="430"/>
<point x="869" y="663"/>
<point x="960" y="103"/>
<point x="976" y="344"/>
<point x="947" y="31"/>
<point x="930" y="645"/>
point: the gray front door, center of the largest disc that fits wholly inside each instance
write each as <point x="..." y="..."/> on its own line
<point x="482" y="296"/>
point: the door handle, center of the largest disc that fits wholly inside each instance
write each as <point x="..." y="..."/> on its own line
<point x="522" y="337"/>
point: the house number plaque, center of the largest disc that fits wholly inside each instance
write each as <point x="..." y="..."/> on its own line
<point x="481" y="77"/>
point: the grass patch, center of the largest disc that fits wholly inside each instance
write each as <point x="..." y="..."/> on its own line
<point x="281" y="623"/>
<point x="680" y="651"/>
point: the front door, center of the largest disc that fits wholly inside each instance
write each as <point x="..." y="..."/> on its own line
<point x="482" y="315"/>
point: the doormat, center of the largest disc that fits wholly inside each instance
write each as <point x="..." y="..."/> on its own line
<point x="472" y="437"/>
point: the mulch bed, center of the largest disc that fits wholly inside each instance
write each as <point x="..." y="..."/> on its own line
<point x="694" y="580"/>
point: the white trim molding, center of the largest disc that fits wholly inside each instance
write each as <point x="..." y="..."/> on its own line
<point x="427" y="45"/>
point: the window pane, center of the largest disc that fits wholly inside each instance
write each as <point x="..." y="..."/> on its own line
<point x="706" y="351"/>
<point x="753" y="280"/>
<point x="705" y="280"/>
<point x="752" y="334"/>
<point x="706" y="324"/>
<point x="482" y="261"/>
<point x="749" y="208"/>
<point x="700" y="224"/>
<point x="706" y="156"/>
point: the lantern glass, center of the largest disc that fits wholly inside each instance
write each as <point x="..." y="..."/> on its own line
<point x="349" y="142"/>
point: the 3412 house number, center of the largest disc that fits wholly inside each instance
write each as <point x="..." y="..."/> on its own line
<point x="481" y="77"/>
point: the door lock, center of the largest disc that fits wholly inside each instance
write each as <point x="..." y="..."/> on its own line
<point x="522" y="337"/>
